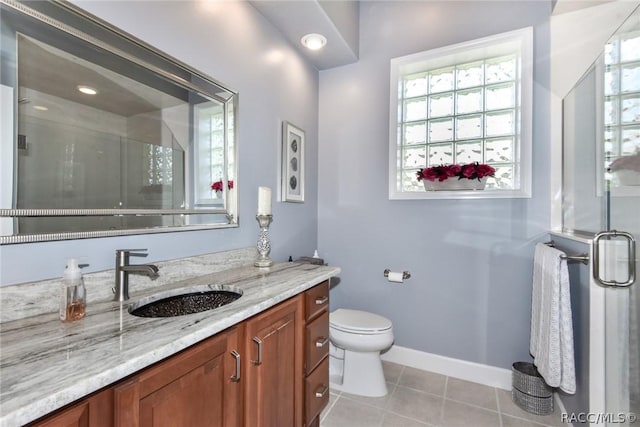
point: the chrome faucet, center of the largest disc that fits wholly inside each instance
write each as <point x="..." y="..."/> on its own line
<point x="123" y="268"/>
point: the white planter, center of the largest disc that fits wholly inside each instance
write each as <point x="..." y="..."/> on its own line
<point x="455" y="184"/>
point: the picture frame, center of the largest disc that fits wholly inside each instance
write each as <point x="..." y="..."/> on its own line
<point x="293" y="165"/>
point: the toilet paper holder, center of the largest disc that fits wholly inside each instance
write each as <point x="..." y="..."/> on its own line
<point x="405" y="274"/>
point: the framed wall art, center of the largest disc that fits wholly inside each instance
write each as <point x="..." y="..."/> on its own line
<point x="293" y="141"/>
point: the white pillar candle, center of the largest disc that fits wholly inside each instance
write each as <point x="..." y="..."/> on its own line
<point x="264" y="201"/>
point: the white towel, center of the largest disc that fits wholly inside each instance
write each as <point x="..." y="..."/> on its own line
<point x="551" y="343"/>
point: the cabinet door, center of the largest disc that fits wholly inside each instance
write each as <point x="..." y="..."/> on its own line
<point x="188" y="389"/>
<point x="94" y="411"/>
<point x="274" y="387"/>
<point x="233" y="407"/>
<point x="77" y="416"/>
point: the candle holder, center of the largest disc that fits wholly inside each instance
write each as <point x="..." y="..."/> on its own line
<point x="263" y="246"/>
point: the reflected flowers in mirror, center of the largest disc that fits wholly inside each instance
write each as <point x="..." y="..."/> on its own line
<point x="218" y="186"/>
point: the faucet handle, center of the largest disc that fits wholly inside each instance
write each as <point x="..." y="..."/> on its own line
<point x="134" y="252"/>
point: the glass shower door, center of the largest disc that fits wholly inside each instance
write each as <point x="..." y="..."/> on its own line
<point x="601" y="194"/>
<point x="621" y="165"/>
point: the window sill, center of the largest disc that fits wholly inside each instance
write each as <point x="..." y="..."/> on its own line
<point x="460" y="194"/>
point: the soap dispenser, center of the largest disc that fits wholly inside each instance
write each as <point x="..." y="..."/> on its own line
<point x="72" y="298"/>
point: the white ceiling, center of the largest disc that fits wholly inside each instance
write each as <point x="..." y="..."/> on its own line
<point x="565" y="6"/>
<point x="337" y="21"/>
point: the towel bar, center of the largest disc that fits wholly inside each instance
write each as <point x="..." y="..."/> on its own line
<point x="583" y="257"/>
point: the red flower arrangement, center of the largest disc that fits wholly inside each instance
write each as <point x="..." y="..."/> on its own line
<point x="469" y="171"/>
<point x="626" y="163"/>
<point x="219" y="185"/>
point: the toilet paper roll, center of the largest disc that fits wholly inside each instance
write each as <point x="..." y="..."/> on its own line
<point x="395" y="276"/>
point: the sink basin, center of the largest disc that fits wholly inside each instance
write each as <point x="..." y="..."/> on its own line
<point x="180" y="302"/>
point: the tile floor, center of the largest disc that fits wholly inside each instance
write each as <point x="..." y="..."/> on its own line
<point x="418" y="398"/>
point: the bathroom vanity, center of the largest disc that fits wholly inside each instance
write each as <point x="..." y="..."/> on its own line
<point x="261" y="360"/>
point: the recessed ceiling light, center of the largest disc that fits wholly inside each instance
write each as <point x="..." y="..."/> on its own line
<point x="314" y="41"/>
<point x="40" y="108"/>
<point x="87" y="90"/>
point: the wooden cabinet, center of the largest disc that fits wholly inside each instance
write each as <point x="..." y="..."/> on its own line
<point x="94" y="411"/>
<point x="273" y="387"/>
<point x="193" y="388"/>
<point x="271" y="370"/>
<point x="287" y="380"/>
<point x="316" y="393"/>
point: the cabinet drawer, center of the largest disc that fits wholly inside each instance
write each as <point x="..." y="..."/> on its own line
<point x="317" y="341"/>
<point x="317" y="390"/>
<point x="316" y="299"/>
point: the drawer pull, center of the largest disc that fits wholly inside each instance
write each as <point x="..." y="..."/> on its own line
<point x="258" y="341"/>
<point x="321" y="391"/>
<point x="322" y="300"/>
<point x="236" y="377"/>
<point x="321" y="342"/>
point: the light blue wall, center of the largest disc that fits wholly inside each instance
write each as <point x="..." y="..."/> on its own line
<point x="233" y="43"/>
<point x="471" y="260"/>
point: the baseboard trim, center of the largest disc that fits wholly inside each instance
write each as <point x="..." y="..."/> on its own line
<point x="462" y="369"/>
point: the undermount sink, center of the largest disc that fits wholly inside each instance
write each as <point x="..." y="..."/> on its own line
<point x="180" y="302"/>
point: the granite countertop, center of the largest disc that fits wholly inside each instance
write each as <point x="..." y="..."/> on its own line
<point x="46" y="364"/>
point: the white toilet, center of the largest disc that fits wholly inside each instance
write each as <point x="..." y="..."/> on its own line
<point x="356" y="340"/>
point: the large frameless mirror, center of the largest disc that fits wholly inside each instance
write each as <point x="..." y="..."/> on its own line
<point x="103" y="135"/>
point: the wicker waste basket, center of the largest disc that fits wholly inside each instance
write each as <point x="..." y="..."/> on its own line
<point x="529" y="391"/>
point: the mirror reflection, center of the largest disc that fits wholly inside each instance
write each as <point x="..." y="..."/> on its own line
<point x="106" y="137"/>
<point x="622" y="104"/>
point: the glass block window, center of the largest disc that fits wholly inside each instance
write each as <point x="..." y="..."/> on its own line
<point x="158" y="165"/>
<point x="209" y="150"/>
<point x="622" y="97"/>
<point x="461" y="104"/>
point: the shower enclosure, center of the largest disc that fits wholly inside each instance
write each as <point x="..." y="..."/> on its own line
<point x="601" y="203"/>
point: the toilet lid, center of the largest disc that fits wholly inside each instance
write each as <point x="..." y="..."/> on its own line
<point x="358" y="321"/>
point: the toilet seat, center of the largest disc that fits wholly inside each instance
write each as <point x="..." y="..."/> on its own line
<point x="359" y="322"/>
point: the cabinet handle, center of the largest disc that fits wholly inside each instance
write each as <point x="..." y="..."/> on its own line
<point x="236" y="377"/>
<point x="258" y="341"/>
<point x="321" y="342"/>
<point x="322" y="300"/>
<point x="321" y="391"/>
